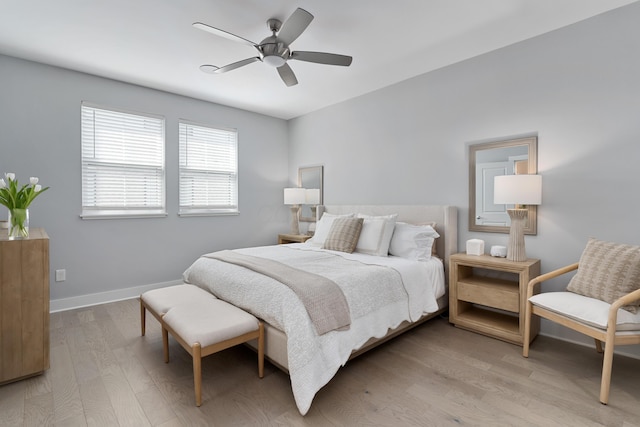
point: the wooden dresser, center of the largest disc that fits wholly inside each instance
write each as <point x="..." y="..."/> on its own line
<point x="24" y="305"/>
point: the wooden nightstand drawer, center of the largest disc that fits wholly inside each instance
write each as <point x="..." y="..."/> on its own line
<point x="496" y="293"/>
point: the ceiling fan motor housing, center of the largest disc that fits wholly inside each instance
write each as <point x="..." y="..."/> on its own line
<point x="274" y="52"/>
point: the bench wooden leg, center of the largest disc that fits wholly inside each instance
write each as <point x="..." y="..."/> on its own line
<point x="261" y="351"/>
<point x="143" y="318"/>
<point x="197" y="372"/>
<point x="165" y="343"/>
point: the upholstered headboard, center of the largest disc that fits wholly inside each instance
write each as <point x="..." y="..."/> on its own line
<point x="445" y="217"/>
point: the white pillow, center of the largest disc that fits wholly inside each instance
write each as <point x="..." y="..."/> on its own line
<point x="376" y="234"/>
<point x="323" y="226"/>
<point x="412" y="241"/>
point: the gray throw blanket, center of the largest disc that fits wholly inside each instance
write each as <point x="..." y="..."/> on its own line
<point x="323" y="299"/>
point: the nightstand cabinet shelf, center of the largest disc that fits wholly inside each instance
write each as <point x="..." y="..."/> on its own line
<point x="488" y="295"/>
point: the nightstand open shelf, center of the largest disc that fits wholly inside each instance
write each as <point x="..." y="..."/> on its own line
<point x="494" y="306"/>
<point x="489" y="322"/>
<point x="284" y="239"/>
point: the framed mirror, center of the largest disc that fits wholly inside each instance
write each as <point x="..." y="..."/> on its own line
<point x="488" y="160"/>
<point x="311" y="178"/>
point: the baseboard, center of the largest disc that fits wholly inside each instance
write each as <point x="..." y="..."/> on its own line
<point x="64" y="304"/>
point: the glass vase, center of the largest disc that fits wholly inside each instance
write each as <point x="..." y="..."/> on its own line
<point x="18" y="223"/>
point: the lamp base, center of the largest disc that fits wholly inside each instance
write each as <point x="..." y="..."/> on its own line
<point x="516" y="250"/>
<point x="295" y="229"/>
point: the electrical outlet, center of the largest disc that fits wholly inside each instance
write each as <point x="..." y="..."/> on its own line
<point x="61" y="275"/>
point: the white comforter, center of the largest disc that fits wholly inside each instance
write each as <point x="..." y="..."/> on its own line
<point x="382" y="292"/>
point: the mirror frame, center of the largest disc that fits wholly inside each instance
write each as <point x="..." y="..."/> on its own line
<point x="301" y="170"/>
<point x="532" y="145"/>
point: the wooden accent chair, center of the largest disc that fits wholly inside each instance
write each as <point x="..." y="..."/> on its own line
<point x="610" y="323"/>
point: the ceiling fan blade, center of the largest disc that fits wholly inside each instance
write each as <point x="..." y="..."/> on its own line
<point x="322" y="58"/>
<point x="209" y="69"/>
<point x="294" y="26"/>
<point x="287" y="76"/>
<point x="222" y="33"/>
<point x="235" y="65"/>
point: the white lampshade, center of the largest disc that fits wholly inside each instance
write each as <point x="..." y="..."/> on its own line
<point x="294" y="196"/>
<point x="312" y="196"/>
<point x="517" y="190"/>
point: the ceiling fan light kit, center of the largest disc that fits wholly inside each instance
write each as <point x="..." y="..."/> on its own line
<point x="274" y="50"/>
<point x="274" y="60"/>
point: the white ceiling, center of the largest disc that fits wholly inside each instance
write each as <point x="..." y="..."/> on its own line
<point x="152" y="42"/>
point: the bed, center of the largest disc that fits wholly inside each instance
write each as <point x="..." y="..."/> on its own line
<point x="384" y="295"/>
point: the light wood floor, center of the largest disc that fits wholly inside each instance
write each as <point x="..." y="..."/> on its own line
<point x="104" y="374"/>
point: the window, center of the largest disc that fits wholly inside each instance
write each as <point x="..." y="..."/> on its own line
<point x="123" y="171"/>
<point x="208" y="170"/>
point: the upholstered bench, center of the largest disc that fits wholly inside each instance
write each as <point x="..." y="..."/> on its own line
<point x="201" y="323"/>
<point x="204" y="327"/>
<point x="159" y="301"/>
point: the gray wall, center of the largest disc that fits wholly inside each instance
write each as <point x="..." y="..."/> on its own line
<point x="577" y="88"/>
<point x="40" y="136"/>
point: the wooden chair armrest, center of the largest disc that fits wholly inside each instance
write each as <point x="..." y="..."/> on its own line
<point x="612" y="319"/>
<point x="550" y="275"/>
<point x="627" y="299"/>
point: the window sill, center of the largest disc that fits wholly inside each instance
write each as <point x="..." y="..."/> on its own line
<point x="205" y="213"/>
<point x="130" y="215"/>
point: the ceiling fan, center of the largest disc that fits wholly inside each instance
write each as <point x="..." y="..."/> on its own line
<point x="275" y="50"/>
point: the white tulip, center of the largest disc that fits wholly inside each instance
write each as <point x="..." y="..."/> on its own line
<point x="33" y="180"/>
<point x="38" y="187"/>
<point x="2" y="183"/>
<point x="10" y="176"/>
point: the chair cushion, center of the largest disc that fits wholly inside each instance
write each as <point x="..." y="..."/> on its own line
<point x="590" y="311"/>
<point x="162" y="299"/>
<point x="209" y="321"/>
<point x="607" y="271"/>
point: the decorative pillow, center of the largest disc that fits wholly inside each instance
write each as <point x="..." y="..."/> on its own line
<point x="376" y="233"/>
<point x="607" y="271"/>
<point x="412" y="241"/>
<point x="323" y="226"/>
<point x="344" y="234"/>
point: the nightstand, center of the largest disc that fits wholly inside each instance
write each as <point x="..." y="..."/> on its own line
<point x="488" y="295"/>
<point x="292" y="238"/>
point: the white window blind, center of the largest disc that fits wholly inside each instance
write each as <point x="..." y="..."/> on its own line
<point x="123" y="171"/>
<point x="208" y="170"/>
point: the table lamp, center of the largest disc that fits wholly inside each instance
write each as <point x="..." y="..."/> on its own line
<point x="312" y="196"/>
<point x="294" y="197"/>
<point x="518" y="190"/>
